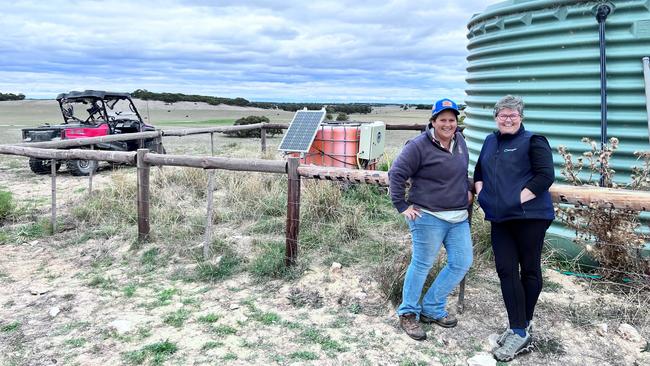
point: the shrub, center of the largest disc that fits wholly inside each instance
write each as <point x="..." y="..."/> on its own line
<point x="342" y="117"/>
<point x="253" y="133"/>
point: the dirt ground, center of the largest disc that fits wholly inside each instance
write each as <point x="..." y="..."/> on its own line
<point x="75" y="299"/>
<point x="94" y="304"/>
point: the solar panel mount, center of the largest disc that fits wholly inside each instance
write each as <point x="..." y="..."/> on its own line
<point x="302" y="130"/>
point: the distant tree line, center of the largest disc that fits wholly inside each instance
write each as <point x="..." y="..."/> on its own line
<point x="241" y="102"/>
<point x="11" y="96"/>
<point x="179" y="97"/>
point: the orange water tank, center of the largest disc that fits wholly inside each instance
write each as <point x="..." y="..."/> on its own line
<point x="335" y="144"/>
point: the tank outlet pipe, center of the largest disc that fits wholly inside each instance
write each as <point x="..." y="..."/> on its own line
<point x="646" y="78"/>
<point x="602" y="11"/>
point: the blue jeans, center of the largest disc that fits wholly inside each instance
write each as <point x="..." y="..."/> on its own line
<point x="428" y="233"/>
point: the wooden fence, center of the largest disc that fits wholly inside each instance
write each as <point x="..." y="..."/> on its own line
<point x="144" y="159"/>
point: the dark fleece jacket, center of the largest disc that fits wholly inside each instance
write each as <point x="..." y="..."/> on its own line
<point x="438" y="177"/>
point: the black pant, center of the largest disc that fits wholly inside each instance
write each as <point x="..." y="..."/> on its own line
<point x="519" y="243"/>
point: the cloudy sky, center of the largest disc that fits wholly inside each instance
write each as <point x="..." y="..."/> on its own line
<point x="261" y="50"/>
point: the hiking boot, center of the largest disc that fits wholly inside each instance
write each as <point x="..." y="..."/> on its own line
<point x="410" y="325"/>
<point x="512" y="346"/>
<point x="502" y="337"/>
<point x="448" y="321"/>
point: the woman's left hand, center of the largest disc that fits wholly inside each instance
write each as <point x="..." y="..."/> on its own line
<point x="526" y="195"/>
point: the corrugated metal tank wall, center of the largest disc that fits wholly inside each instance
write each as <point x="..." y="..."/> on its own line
<point x="548" y="53"/>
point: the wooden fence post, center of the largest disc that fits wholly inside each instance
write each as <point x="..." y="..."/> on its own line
<point x="208" y="223"/>
<point x="293" y="212"/>
<point x="212" y="143"/>
<point x="53" y="218"/>
<point x="263" y="139"/>
<point x="143" y="196"/>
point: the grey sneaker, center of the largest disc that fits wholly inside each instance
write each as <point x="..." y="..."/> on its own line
<point x="502" y="337"/>
<point x="512" y="346"/>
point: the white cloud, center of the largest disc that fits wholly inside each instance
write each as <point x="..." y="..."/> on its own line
<point x="397" y="51"/>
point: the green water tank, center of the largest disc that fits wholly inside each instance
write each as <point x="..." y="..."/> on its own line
<point x="548" y="53"/>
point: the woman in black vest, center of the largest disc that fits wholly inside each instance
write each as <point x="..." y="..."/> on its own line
<point x="512" y="176"/>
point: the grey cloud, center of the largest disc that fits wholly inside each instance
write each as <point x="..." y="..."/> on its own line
<point x="400" y="50"/>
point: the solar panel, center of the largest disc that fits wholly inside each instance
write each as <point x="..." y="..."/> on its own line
<point x="302" y="131"/>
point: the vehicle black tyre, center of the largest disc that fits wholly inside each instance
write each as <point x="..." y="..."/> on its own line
<point x="156" y="148"/>
<point x="40" y="166"/>
<point x="81" y="167"/>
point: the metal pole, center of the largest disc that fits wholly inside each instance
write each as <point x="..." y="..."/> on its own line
<point x="293" y="212"/>
<point x="461" y="291"/>
<point x="53" y="218"/>
<point x="646" y="79"/>
<point x="90" y="176"/>
<point x="602" y="12"/>
<point x="143" y="196"/>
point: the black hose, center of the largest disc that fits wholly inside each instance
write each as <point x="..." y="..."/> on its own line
<point x="602" y="12"/>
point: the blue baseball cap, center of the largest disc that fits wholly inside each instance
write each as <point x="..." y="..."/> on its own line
<point x="444" y="104"/>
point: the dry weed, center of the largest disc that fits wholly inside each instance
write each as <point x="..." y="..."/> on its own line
<point x="610" y="235"/>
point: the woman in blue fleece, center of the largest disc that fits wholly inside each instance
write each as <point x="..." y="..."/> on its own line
<point x="435" y="162"/>
<point x="513" y="174"/>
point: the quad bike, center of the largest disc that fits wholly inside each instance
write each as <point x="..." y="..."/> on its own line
<point x="92" y="113"/>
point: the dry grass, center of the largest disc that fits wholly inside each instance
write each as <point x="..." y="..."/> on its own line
<point x="243" y="305"/>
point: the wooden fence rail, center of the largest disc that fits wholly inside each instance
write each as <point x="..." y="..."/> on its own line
<point x="158" y="134"/>
<point x="619" y="198"/>
<point x="75" y="154"/>
<point x="206" y="162"/>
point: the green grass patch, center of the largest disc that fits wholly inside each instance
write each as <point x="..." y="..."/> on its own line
<point x="269" y="262"/>
<point x="165" y="296"/>
<point x="209" y="318"/>
<point x="211" y="345"/>
<point x="104" y="283"/>
<point x="304" y="356"/>
<point x="210" y="272"/>
<point x="25" y="232"/>
<point x="11" y="327"/>
<point x="229" y="357"/>
<point x="7" y="205"/>
<point x="149" y="258"/>
<point x="129" y="290"/>
<point x="156" y="352"/>
<point x="75" y="342"/>
<point x="266" y="318"/>
<point x="223" y="330"/>
<point x="312" y="335"/>
<point x="177" y="318"/>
